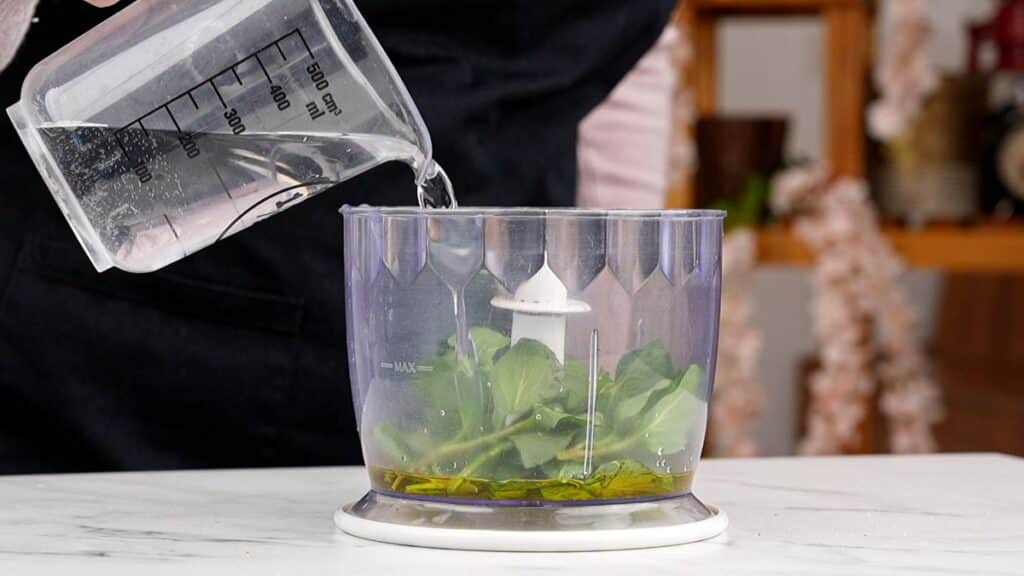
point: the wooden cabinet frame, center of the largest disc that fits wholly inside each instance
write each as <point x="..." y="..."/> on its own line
<point x="848" y="25"/>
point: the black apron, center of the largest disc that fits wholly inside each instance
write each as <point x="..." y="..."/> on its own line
<point x="236" y="355"/>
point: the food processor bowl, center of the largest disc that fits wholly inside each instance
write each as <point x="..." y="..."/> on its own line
<point x="532" y="379"/>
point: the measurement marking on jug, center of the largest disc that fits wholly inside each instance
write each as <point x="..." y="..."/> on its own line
<point x="171" y="226"/>
<point x="219" y="97"/>
<point x="173" y="119"/>
<point x="222" y="184"/>
<point x="121" y="146"/>
<point x="264" y="68"/>
<point x="304" y="43"/>
<point x="321" y="83"/>
<point x="231" y="115"/>
<point x="406" y="367"/>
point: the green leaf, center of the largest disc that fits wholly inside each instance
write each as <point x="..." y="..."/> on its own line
<point x="753" y="200"/>
<point x="628" y="409"/>
<point x="454" y="395"/>
<point x="692" y="380"/>
<point x="565" y="492"/>
<point x="551" y="417"/>
<point x="402" y="447"/>
<point x="389" y="439"/>
<point x="536" y="448"/>
<point x="520" y="379"/>
<point x="486" y="342"/>
<point x="431" y="487"/>
<point x="609" y="470"/>
<point x="511" y="489"/>
<point x="639" y="370"/>
<point x="418" y="443"/>
<point x="436" y="383"/>
<point x="604" y="381"/>
<point x="575" y="383"/>
<point x="570" y="470"/>
<point x="506" y="468"/>
<point x="627" y="478"/>
<point x="664" y="426"/>
<point x="747" y="209"/>
<point x="461" y="487"/>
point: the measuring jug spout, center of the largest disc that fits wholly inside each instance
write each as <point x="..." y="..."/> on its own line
<point x="173" y="125"/>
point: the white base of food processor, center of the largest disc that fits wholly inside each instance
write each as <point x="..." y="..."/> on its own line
<point x="550" y="529"/>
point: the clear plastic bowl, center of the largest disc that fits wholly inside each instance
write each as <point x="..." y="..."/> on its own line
<point x="529" y="358"/>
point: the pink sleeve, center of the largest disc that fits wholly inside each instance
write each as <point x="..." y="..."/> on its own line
<point x="623" y="150"/>
<point x="15" y="18"/>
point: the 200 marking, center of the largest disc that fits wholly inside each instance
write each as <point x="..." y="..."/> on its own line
<point x="188" y="144"/>
<point x="234" y="118"/>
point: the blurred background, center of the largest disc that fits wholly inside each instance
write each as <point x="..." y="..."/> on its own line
<point x="871" y="154"/>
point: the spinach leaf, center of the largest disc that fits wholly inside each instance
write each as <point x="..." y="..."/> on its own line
<point x="565" y="492"/>
<point x="692" y="380"/>
<point x="454" y="395"/>
<point x="626" y="478"/>
<point x="536" y="448"/>
<point x="437" y="381"/>
<point x="428" y="487"/>
<point x="486" y="342"/>
<point x="663" y="427"/>
<point x="575" y="384"/>
<point x="402" y="447"/>
<point x="569" y="470"/>
<point x="609" y="470"/>
<point x="511" y="489"/>
<point x="460" y="487"/>
<point x="521" y="378"/>
<point x="390" y="440"/>
<point x="629" y="408"/>
<point x="551" y="417"/>
<point x="639" y="370"/>
<point x="419" y="442"/>
<point x="505" y="468"/>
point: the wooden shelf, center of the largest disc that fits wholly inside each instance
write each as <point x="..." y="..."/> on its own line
<point x="846" y="52"/>
<point x="987" y="249"/>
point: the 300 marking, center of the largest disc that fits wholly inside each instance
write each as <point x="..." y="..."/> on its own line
<point x="233" y="117"/>
<point x="234" y="121"/>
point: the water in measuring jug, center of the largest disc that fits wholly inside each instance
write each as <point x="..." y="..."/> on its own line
<point x="173" y="125"/>
<point x="147" y="220"/>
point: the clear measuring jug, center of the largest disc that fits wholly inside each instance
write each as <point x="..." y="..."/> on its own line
<point x="174" y="124"/>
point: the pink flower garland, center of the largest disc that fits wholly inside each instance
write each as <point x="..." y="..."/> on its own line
<point x="860" y="313"/>
<point x="860" y="310"/>
<point x="906" y="76"/>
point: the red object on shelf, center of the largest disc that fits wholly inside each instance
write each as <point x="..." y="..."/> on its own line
<point x="1006" y="32"/>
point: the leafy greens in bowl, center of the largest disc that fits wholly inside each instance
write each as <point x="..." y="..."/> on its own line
<point x="516" y="424"/>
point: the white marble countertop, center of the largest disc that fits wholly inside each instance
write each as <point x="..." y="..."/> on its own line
<point x="957" y="514"/>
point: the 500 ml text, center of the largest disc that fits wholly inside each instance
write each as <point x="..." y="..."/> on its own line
<point x="319" y="79"/>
